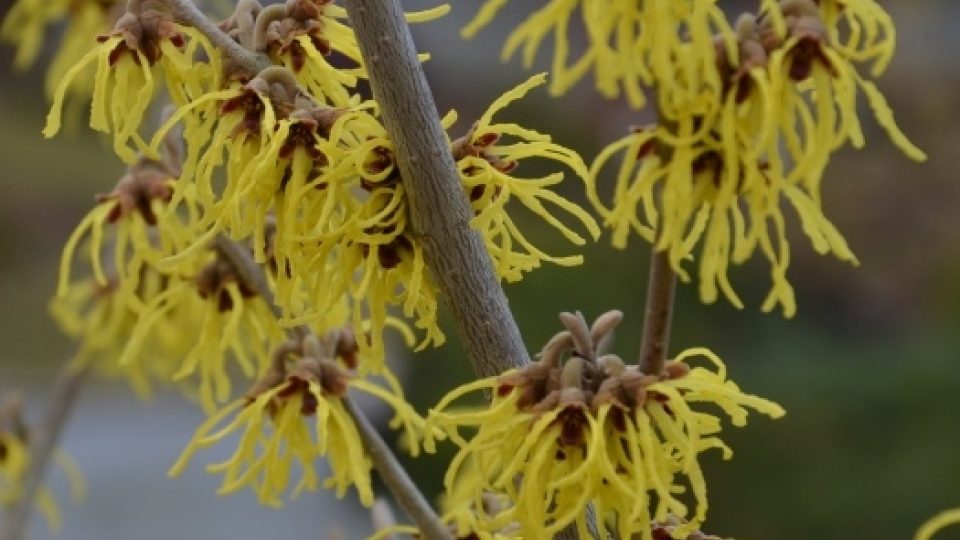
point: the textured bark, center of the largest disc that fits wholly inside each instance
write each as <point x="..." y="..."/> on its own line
<point x="439" y="209"/>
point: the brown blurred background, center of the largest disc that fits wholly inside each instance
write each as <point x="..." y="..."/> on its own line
<point x="868" y="370"/>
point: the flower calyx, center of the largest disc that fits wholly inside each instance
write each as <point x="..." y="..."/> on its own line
<point x="212" y="281"/>
<point x="478" y="145"/>
<point x="751" y="54"/>
<point x="573" y="375"/>
<point x="279" y="25"/>
<point x="277" y="88"/>
<point x="309" y="123"/>
<point x="142" y="30"/>
<point x="145" y="181"/>
<point x="324" y="361"/>
<point x="807" y="31"/>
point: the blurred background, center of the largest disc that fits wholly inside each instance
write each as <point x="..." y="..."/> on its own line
<point x="868" y="370"/>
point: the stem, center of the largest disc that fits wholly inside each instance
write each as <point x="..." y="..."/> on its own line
<point x="396" y="478"/>
<point x="43" y="441"/>
<point x="252" y="273"/>
<point x="661" y="289"/>
<point x="187" y="13"/>
<point x="439" y="210"/>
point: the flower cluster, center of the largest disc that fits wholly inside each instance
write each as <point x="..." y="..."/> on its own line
<point x="263" y="231"/>
<point x="580" y="428"/>
<point x="323" y="185"/>
<point x="749" y="114"/>
<point x="293" y="167"/>
<point x="713" y="172"/>
<point x="629" y="45"/>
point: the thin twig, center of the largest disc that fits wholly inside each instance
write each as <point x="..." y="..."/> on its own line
<point x="251" y="272"/>
<point x="439" y="210"/>
<point x="391" y="471"/>
<point x="43" y="441"/>
<point x="661" y="289"/>
<point x="396" y="478"/>
<point x="253" y="275"/>
<point x="187" y="13"/>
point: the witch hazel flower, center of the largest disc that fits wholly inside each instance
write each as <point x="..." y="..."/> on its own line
<point x="706" y="183"/>
<point x="579" y="427"/>
<point x="125" y="81"/>
<point x="293" y="415"/>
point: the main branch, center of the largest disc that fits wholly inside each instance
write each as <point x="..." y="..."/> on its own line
<point x="439" y="210"/>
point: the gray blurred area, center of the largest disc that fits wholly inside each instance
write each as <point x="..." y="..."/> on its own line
<point x="868" y="370"/>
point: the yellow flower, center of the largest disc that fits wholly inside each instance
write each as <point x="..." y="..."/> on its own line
<point x="221" y="318"/>
<point x="15" y="462"/>
<point x="129" y="228"/>
<point x="315" y="182"/>
<point x="303" y="35"/>
<point x="88" y="19"/>
<point x="124" y="83"/>
<point x="101" y="320"/>
<point x="871" y="34"/>
<point x="344" y="233"/>
<point x="486" y="168"/>
<point x="294" y="415"/>
<point x="938" y="523"/>
<point x="561" y="435"/>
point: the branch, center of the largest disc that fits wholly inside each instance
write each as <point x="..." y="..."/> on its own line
<point x="396" y="478"/>
<point x="43" y="441"/>
<point x="187" y="13"/>
<point x="439" y="211"/>
<point x="252" y="274"/>
<point x="661" y="289"/>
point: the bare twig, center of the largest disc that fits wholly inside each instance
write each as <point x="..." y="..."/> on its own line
<point x="661" y="288"/>
<point x="43" y="441"/>
<point x="187" y="13"/>
<point x="396" y="478"/>
<point x="253" y="275"/>
<point x="439" y="210"/>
